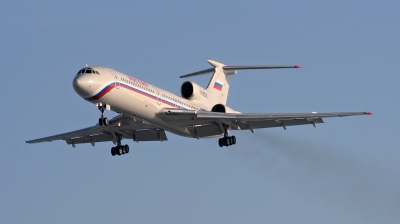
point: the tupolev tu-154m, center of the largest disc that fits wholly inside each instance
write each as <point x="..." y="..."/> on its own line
<point x="146" y="111"/>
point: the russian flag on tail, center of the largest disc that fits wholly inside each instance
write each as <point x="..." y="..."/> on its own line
<point x="218" y="86"/>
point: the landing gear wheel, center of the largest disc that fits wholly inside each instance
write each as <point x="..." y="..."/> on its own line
<point x="233" y="140"/>
<point x="118" y="150"/>
<point x="127" y="149"/>
<point x="221" y="142"/>
<point x="227" y="141"/>
<point x="105" y="121"/>
<point x="102" y="120"/>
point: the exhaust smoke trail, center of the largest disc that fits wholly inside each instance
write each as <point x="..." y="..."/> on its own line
<point x="350" y="183"/>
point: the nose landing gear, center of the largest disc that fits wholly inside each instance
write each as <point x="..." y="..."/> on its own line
<point x="102" y="120"/>
<point x="226" y="140"/>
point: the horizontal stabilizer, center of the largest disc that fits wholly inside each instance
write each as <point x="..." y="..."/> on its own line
<point x="257" y="67"/>
<point x="231" y="70"/>
<point x="202" y="72"/>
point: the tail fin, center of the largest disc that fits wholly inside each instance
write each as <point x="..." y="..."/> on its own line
<point x="219" y="83"/>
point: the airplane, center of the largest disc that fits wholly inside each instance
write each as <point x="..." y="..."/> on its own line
<point x="146" y="111"/>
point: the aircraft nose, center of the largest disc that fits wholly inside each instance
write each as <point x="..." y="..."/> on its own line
<point x="81" y="84"/>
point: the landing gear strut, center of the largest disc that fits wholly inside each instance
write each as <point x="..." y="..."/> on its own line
<point x="102" y="120"/>
<point x="226" y="140"/>
<point x="119" y="149"/>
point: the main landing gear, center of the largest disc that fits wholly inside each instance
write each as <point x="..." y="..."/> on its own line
<point x="226" y="140"/>
<point x="119" y="149"/>
<point x="102" y="120"/>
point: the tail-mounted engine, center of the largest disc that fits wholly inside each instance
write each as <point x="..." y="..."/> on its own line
<point x="220" y="108"/>
<point x="192" y="91"/>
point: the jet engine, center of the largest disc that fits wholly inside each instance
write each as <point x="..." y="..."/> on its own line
<point x="223" y="109"/>
<point x="192" y="91"/>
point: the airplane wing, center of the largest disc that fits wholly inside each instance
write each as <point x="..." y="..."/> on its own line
<point x="125" y="127"/>
<point x="205" y="123"/>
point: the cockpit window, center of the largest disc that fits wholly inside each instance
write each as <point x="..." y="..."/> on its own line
<point x="87" y="71"/>
<point x="80" y="71"/>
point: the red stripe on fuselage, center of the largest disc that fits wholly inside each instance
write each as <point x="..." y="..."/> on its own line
<point x="110" y="87"/>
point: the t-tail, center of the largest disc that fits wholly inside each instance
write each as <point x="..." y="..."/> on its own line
<point x="218" y="87"/>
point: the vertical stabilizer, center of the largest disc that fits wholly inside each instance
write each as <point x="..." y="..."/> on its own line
<point x="219" y="83"/>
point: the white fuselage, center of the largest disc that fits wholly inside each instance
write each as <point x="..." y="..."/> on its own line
<point x="132" y="97"/>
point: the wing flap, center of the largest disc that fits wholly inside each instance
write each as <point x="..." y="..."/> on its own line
<point x="128" y="128"/>
<point x="205" y="114"/>
<point x="138" y="136"/>
<point x="278" y="123"/>
<point x="202" y="131"/>
<point x="69" y="135"/>
<point x="149" y="135"/>
<point x="238" y="121"/>
<point x="90" y="139"/>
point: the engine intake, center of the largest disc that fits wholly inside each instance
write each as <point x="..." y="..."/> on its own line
<point x="192" y="91"/>
<point x="220" y="108"/>
<point x="187" y="90"/>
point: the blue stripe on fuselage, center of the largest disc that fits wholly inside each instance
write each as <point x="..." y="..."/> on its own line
<point x="109" y="87"/>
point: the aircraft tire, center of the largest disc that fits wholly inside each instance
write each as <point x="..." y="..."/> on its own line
<point x="227" y="141"/>
<point x="233" y="140"/>
<point x="105" y="121"/>
<point x="221" y="142"/>
<point x="127" y="149"/>
<point x="100" y="122"/>
<point x="119" y="150"/>
<point x="113" y="151"/>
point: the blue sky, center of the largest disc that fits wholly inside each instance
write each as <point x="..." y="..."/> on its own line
<point x="344" y="171"/>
